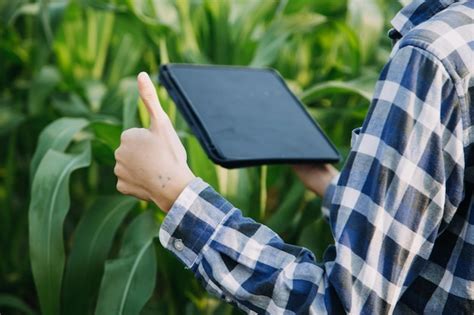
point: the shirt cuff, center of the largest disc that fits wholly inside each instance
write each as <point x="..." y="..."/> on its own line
<point x="328" y="196"/>
<point x="192" y="221"/>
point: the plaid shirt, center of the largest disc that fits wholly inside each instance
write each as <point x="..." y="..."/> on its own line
<point x="401" y="212"/>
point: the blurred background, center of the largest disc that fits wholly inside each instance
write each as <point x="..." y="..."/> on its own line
<point x="69" y="243"/>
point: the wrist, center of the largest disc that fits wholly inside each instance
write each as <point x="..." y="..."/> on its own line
<point x="165" y="195"/>
<point x="328" y="175"/>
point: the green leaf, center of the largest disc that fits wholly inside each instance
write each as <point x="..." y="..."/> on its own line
<point x="275" y="38"/>
<point x="122" y="60"/>
<point x="48" y="208"/>
<point x="107" y="140"/>
<point x="362" y="87"/>
<point x="316" y="237"/>
<point x="310" y="213"/>
<point x="190" y="47"/>
<point x="82" y="42"/>
<point x="9" y="10"/>
<point x="200" y="163"/>
<point x="94" y="92"/>
<point x="72" y="106"/>
<point x="102" y="153"/>
<point x="56" y="136"/>
<point x="130" y="105"/>
<point x="92" y="242"/>
<point x="12" y="302"/>
<point x="107" y="133"/>
<point x="129" y="280"/>
<point x="41" y="87"/>
<point x="236" y="186"/>
<point x="155" y="13"/>
<point x="9" y="119"/>
<point x="283" y="216"/>
<point x="331" y="8"/>
<point x="366" y="17"/>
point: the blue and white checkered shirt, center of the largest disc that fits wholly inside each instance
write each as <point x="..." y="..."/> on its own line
<point x="401" y="212"/>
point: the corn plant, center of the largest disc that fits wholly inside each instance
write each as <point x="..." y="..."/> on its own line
<point x="69" y="243"/>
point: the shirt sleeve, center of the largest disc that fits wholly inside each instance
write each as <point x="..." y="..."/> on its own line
<point x="327" y="198"/>
<point x="329" y="194"/>
<point x="401" y="184"/>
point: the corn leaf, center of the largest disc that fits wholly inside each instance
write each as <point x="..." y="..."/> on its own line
<point x="9" y="119"/>
<point x="41" y="87"/>
<point x="107" y="140"/>
<point x="200" y="163"/>
<point x="316" y="237"/>
<point x="277" y="35"/>
<point x="56" y="136"/>
<point x="71" y="106"/>
<point x="107" y="133"/>
<point x="92" y="242"/>
<point x="361" y="87"/>
<point x="155" y="13"/>
<point x="285" y="213"/>
<point x="8" y="301"/>
<point x="129" y="280"/>
<point x="123" y="60"/>
<point x="82" y="42"/>
<point x="48" y="208"/>
<point x="237" y="187"/>
<point x="366" y="18"/>
<point x="130" y="106"/>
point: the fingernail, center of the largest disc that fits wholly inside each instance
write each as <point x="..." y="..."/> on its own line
<point x="142" y="75"/>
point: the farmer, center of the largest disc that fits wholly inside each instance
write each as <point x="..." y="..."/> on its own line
<point x="401" y="211"/>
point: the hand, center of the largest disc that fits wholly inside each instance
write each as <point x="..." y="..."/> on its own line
<point x="151" y="163"/>
<point x="316" y="177"/>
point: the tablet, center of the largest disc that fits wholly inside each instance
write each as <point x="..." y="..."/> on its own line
<point x="245" y="116"/>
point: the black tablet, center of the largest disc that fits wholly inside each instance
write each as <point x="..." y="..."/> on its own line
<point x="245" y="116"/>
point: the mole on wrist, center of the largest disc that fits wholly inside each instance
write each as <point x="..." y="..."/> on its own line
<point x="164" y="180"/>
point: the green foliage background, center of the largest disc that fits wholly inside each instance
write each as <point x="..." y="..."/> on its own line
<point x="69" y="243"/>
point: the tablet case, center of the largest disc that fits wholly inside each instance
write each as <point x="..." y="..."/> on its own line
<point x="245" y="116"/>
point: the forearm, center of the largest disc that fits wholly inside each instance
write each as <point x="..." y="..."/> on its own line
<point x="316" y="177"/>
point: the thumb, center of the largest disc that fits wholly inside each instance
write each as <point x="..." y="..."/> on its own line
<point x="147" y="92"/>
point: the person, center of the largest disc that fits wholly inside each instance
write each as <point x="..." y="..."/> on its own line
<point x="401" y="210"/>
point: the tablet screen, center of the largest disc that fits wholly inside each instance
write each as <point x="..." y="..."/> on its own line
<point x="250" y="114"/>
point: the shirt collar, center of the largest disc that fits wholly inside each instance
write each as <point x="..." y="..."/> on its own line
<point x="417" y="12"/>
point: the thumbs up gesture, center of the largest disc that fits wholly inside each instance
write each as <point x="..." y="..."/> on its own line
<point x="151" y="163"/>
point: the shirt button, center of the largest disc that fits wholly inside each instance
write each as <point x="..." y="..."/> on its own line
<point x="228" y="299"/>
<point x="178" y="244"/>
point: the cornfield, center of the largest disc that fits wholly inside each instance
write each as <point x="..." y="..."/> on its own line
<point x="69" y="242"/>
